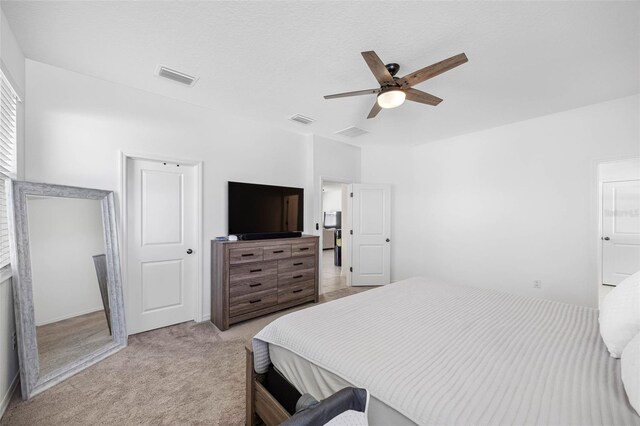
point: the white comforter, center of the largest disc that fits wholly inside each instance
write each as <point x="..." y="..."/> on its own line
<point x="444" y="354"/>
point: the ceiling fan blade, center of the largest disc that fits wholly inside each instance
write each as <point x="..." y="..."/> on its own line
<point x="356" y="93"/>
<point x="375" y="110"/>
<point x="432" y="70"/>
<point x="380" y="72"/>
<point x="416" y="95"/>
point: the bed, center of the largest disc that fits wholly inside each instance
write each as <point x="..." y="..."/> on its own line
<point x="432" y="353"/>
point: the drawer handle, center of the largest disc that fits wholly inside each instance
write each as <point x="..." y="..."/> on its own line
<point x="255" y="301"/>
<point x="298" y="276"/>
<point x="247" y="254"/>
<point x="297" y="264"/>
<point x="297" y="291"/>
<point x="255" y="285"/>
<point x="255" y="270"/>
<point x="278" y="251"/>
<point x="304" y="248"/>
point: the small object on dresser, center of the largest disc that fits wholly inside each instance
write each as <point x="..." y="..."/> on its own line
<point x="233" y="238"/>
<point x="221" y="238"/>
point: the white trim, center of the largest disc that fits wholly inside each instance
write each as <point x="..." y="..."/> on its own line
<point x="198" y="180"/>
<point x="319" y="222"/>
<point x="349" y="236"/>
<point x="6" y="399"/>
<point x="122" y="205"/>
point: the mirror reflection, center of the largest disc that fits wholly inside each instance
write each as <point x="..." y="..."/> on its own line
<point x="69" y="275"/>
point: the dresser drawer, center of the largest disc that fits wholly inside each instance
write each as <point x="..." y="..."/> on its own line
<point x="281" y="251"/>
<point x="290" y="278"/>
<point x="296" y="264"/>
<point x="298" y="291"/>
<point x="251" y="271"/>
<point x="303" y="249"/>
<point x="252" y="285"/>
<point x="253" y="302"/>
<point x="245" y="255"/>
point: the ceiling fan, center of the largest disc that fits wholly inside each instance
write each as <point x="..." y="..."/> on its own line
<point x="393" y="90"/>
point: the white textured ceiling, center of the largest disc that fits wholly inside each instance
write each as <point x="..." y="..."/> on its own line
<point x="270" y="59"/>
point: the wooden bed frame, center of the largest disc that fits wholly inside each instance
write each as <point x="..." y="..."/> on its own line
<point x="262" y="407"/>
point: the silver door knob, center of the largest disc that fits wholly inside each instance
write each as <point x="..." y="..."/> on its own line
<point x="606" y="238"/>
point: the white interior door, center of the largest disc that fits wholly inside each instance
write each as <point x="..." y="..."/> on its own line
<point x="161" y="233"/>
<point x="371" y="239"/>
<point x="620" y="230"/>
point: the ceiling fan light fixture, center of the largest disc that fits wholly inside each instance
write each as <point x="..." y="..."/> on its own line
<point x="391" y="98"/>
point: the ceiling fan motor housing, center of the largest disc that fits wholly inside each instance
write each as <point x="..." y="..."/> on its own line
<point x="393" y="68"/>
<point x="394" y="91"/>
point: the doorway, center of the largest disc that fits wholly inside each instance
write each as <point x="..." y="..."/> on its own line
<point x="162" y="233"/>
<point x="332" y="220"/>
<point x="619" y="212"/>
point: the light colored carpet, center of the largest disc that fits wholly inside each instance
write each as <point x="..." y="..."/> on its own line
<point x="186" y="374"/>
<point x="64" y="341"/>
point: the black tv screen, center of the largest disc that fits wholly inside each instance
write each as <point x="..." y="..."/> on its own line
<point x="255" y="209"/>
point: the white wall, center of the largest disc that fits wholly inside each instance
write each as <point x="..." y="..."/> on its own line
<point x="336" y="162"/>
<point x="392" y="165"/>
<point x="77" y="124"/>
<point x="64" y="235"/>
<point x="506" y="206"/>
<point x="332" y="200"/>
<point x="13" y="65"/>
<point x="333" y="161"/>
<point x="11" y="56"/>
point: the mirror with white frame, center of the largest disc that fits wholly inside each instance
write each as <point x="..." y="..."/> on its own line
<point x="67" y="285"/>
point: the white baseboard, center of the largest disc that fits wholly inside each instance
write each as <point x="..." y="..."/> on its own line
<point x="206" y="318"/>
<point x="9" y="394"/>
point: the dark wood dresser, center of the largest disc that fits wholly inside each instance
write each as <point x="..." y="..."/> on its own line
<point x="254" y="278"/>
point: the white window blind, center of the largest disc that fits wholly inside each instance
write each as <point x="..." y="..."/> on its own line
<point x="8" y="137"/>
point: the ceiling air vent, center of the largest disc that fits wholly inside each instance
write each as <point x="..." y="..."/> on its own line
<point x="352" y="132"/>
<point x="176" y="76"/>
<point x="302" y="119"/>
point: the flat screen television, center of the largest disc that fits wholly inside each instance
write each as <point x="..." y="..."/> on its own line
<point x="263" y="211"/>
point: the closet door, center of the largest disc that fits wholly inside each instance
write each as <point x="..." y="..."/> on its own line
<point x="161" y="232"/>
<point x="371" y="239"/>
<point x="620" y="230"/>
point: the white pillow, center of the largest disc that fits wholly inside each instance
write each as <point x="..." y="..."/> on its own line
<point x="620" y="315"/>
<point x="630" y="370"/>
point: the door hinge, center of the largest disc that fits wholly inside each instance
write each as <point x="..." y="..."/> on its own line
<point x="351" y="195"/>
<point x="350" y="268"/>
<point x="317" y="226"/>
<point x="351" y="231"/>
